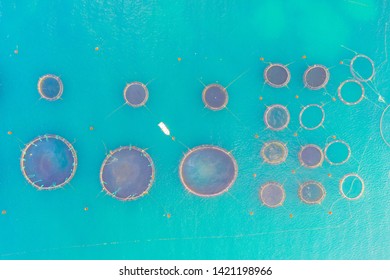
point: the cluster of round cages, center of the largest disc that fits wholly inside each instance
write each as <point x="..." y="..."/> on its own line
<point x="351" y="91"/>
<point x="272" y="194"/>
<point x="127" y="173"/>
<point x="336" y="152"/>
<point x="277" y="75"/>
<point x="48" y="162"/>
<point x="276" y="117"/>
<point x="274" y="152"/>
<point x="136" y="94"/>
<point x="208" y="170"/>
<point x="316" y="77"/>
<point x="215" y="97"/>
<point x="50" y="87"/>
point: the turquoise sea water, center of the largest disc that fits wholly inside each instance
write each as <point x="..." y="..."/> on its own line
<point x="216" y="41"/>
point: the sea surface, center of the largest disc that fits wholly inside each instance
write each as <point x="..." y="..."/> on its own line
<point x="176" y="48"/>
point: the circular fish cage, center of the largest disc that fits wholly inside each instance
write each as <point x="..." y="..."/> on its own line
<point x="274" y="152"/>
<point x="50" y="87"/>
<point x="48" y="162"/>
<point x="311" y="156"/>
<point x="311" y="117"/>
<point x="272" y="194"/>
<point x="337" y="152"/>
<point x="349" y="98"/>
<point x="277" y="75"/>
<point x="127" y="173"/>
<point x="311" y="192"/>
<point x="316" y="77"/>
<point x="276" y="117"/>
<point x="208" y="171"/>
<point x="351" y="186"/>
<point x="215" y="97"/>
<point x="136" y="94"/>
<point x="362" y="61"/>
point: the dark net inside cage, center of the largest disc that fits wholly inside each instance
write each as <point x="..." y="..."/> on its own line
<point x="215" y="97"/>
<point x="311" y="156"/>
<point x="316" y="77"/>
<point x="277" y="75"/>
<point x="208" y="170"/>
<point x="272" y="194"/>
<point x="48" y="162"/>
<point x="127" y="173"/>
<point x="136" y="94"/>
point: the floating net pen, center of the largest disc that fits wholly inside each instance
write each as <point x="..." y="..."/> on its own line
<point x="311" y="117"/>
<point x="50" y="87"/>
<point x="272" y="194"/>
<point x="136" y="94"/>
<point x="48" y="162"/>
<point x="276" y="117"/>
<point x="351" y="186"/>
<point x="358" y="74"/>
<point x="215" y="97"/>
<point x="316" y="77"/>
<point x="311" y="156"/>
<point x="311" y="192"/>
<point x="274" y="152"/>
<point x="351" y="98"/>
<point x="127" y="173"/>
<point x="208" y="171"/>
<point x="277" y="75"/>
<point x="337" y="152"/>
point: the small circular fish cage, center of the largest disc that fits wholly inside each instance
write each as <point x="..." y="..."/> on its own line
<point x="354" y="97"/>
<point x="311" y="156"/>
<point x="274" y="152"/>
<point x="311" y="117"/>
<point x="215" y="97"/>
<point x="337" y="152"/>
<point x="362" y="61"/>
<point x="277" y="75"/>
<point x="312" y="192"/>
<point x="136" y="94"/>
<point x="50" y="87"/>
<point x="272" y="194"/>
<point x="351" y="186"/>
<point x="276" y="117"/>
<point x="316" y="77"/>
